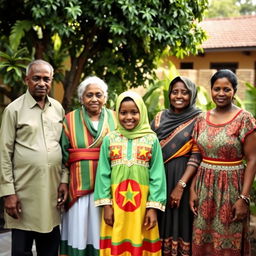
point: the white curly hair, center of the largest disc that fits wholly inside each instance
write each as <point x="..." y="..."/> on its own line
<point x="92" y="80"/>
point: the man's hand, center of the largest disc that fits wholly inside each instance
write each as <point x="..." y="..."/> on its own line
<point x="12" y="206"/>
<point x="62" y="194"/>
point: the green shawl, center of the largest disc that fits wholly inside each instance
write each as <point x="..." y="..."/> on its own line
<point x="143" y="127"/>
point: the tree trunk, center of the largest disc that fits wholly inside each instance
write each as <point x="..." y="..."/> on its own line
<point x="73" y="77"/>
<point x="72" y="80"/>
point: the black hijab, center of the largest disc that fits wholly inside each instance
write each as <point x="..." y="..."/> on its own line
<point x="171" y="120"/>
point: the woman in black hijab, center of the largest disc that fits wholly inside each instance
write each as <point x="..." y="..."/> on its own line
<point x="173" y="127"/>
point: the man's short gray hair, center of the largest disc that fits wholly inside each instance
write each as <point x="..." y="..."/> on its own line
<point x="39" y="61"/>
<point x="91" y="80"/>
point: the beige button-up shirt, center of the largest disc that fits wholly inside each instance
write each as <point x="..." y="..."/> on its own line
<point x="30" y="157"/>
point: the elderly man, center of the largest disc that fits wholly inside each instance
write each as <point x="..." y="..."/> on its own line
<point x="32" y="182"/>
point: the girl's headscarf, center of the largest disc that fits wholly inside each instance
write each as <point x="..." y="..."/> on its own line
<point x="171" y="120"/>
<point x="143" y="127"/>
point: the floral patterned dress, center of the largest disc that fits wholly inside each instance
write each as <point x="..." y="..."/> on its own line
<point x="218" y="185"/>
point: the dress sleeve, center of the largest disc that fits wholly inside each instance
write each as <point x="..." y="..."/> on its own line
<point x="102" y="190"/>
<point x="195" y="158"/>
<point x="248" y="125"/>
<point x="7" y="145"/>
<point x="157" y="180"/>
<point x="195" y="131"/>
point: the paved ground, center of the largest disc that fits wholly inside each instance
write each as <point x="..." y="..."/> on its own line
<point x="253" y="234"/>
<point x="5" y="244"/>
<point x="5" y="240"/>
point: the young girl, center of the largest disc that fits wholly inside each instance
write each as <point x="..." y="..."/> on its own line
<point x="130" y="183"/>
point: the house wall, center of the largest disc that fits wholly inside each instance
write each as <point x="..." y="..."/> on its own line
<point x="245" y="60"/>
<point x="202" y="77"/>
<point x="201" y="72"/>
<point x="57" y="91"/>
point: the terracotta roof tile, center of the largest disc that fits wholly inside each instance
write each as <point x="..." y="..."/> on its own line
<point x="230" y="32"/>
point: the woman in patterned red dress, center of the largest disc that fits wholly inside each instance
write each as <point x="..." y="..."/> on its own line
<point x="219" y="196"/>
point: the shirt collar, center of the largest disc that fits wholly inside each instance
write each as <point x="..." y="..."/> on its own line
<point x="31" y="102"/>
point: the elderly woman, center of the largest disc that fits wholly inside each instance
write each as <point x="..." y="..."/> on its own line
<point x="84" y="129"/>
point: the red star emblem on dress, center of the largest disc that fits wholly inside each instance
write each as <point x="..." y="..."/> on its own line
<point x="115" y="152"/>
<point x="128" y="195"/>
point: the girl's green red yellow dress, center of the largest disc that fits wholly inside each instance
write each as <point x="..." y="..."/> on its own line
<point x="131" y="178"/>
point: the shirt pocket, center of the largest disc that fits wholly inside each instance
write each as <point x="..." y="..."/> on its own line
<point x="57" y="130"/>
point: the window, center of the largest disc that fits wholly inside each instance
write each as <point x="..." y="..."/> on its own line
<point x="186" y="65"/>
<point x="233" y="66"/>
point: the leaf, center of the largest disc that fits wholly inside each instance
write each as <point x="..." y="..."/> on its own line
<point x="56" y="41"/>
<point x="18" y="31"/>
<point x="9" y="69"/>
<point x="20" y="65"/>
<point x="73" y="11"/>
<point x="150" y="91"/>
<point x="5" y="56"/>
<point x="18" y="72"/>
<point x="4" y="64"/>
<point x="18" y="55"/>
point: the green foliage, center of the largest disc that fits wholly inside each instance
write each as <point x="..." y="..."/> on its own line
<point x="247" y="7"/>
<point x="230" y="8"/>
<point x="250" y="99"/>
<point x="73" y="11"/>
<point x="12" y="69"/>
<point x="204" y="101"/>
<point x="18" y="31"/>
<point x="156" y="98"/>
<point x="253" y="195"/>
<point x="250" y="105"/>
<point x="223" y="8"/>
<point x="118" y="40"/>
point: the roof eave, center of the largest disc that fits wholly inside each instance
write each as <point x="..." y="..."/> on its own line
<point x="230" y="49"/>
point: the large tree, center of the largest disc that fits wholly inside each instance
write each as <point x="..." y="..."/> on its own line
<point x="118" y="40"/>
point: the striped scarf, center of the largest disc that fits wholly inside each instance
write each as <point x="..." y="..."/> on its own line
<point x="81" y="146"/>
